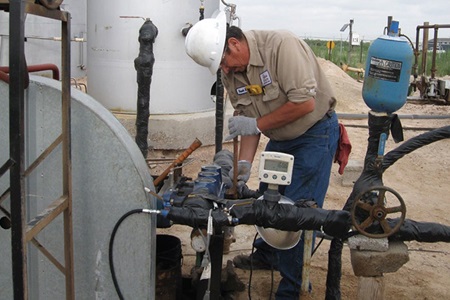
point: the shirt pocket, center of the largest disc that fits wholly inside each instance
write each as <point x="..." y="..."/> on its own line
<point x="271" y="92"/>
<point x="244" y="100"/>
<point x="244" y="105"/>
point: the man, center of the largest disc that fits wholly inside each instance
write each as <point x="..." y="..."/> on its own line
<point x="278" y="88"/>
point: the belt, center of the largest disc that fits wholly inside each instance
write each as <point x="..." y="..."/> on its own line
<point x="327" y="115"/>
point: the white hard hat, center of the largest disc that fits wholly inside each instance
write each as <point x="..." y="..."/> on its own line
<point x="280" y="239"/>
<point x="205" y="41"/>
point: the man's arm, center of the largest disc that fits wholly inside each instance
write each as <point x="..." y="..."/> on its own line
<point x="248" y="146"/>
<point x="285" y="114"/>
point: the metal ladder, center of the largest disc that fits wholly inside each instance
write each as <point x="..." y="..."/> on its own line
<point x="22" y="232"/>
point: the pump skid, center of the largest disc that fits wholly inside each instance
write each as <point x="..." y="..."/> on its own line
<point x="430" y="88"/>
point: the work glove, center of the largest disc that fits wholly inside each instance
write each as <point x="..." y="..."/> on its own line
<point x="244" y="168"/>
<point x="241" y="125"/>
<point x="243" y="191"/>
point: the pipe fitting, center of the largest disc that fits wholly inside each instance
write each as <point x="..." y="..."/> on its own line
<point x="185" y="29"/>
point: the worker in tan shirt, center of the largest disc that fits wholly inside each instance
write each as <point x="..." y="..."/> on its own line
<point x="278" y="88"/>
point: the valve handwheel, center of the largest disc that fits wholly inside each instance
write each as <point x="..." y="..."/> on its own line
<point x="387" y="202"/>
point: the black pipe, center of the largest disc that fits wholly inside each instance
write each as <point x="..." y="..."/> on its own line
<point x="415" y="143"/>
<point x="18" y="83"/>
<point x="374" y="166"/>
<point x="144" y="67"/>
<point x="371" y="176"/>
<point x="219" y="112"/>
<point x="219" y="108"/>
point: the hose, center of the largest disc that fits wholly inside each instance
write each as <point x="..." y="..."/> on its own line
<point x="111" y="243"/>
<point x="413" y="144"/>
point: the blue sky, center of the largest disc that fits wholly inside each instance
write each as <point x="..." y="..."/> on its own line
<point x="324" y="18"/>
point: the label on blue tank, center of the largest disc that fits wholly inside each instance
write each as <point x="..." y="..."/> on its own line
<point x="385" y="69"/>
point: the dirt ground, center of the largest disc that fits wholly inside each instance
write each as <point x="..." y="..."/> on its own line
<point x="421" y="178"/>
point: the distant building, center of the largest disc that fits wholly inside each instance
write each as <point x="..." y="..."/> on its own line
<point x="443" y="44"/>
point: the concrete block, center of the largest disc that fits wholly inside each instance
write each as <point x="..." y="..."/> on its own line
<point x="352" y="172"/>
<point x="362" y="242"/>
<point x="375" y="263"/>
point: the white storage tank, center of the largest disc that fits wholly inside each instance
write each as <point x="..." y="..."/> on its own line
<point x="178" y="84"/>
<point x="182" y="105"/>
<point x="181" y="101"/>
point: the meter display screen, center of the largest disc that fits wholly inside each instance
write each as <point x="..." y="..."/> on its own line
<point x="276" y="165"/>
<point x="276" y="168"/>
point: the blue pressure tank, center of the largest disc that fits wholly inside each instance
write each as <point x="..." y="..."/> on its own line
<point x="388" y="71"/>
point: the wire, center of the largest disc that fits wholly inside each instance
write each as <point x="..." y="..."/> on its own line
<point x="209" y="232"/>
<point x="205" y="264"/>
<point x="409" y="40"/>
<point x="317" y="247"/>
<point x="251" y="269"/>
<point x="111" y="243"/>
<point x="271" y="276"/>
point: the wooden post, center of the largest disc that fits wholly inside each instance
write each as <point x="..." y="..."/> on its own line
<point x="307" y="250"/>
<point x="371" y="288"/>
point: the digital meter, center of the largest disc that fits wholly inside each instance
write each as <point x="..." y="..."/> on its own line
<point x="276" y="168"/>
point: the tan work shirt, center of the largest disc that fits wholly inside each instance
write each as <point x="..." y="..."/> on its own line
<point x="286" y="69"/>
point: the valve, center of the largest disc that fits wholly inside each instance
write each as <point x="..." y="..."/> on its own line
<point x="387" y="201"/>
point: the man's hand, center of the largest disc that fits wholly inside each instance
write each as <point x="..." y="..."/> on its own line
<point x="244" y="168"/>
<point x="241" y="125"/>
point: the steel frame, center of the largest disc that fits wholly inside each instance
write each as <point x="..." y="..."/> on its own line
<point x="21" y="231"/>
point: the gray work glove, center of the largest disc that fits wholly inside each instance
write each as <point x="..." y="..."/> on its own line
<point x="241" y="125"/>
<point x="244" y="168"/>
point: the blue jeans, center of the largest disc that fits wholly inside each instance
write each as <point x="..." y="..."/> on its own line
<point x="313" y="156"/>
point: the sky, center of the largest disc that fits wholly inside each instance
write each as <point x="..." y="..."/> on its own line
<point x="323" y="19"/>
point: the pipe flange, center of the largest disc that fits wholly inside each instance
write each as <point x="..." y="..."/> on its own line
<point x="376" y="203"/>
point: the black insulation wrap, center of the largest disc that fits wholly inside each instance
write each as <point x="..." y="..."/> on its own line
<point x="144" y="67"/>
<point x="265" y="214"/>
<point x="219" y="111"/>
<point x="372" y="176"/>
<point x="415" y="143"/>
<point x="426" y="232"/>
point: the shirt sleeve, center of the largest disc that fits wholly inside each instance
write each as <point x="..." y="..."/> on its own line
<point x="294" y="68"/>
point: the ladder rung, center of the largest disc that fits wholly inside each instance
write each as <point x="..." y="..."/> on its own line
<point x="48" y="215"/>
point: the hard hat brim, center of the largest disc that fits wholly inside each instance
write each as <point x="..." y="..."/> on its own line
<point x="205" y="41"/>
<point x="222" y="23"/>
